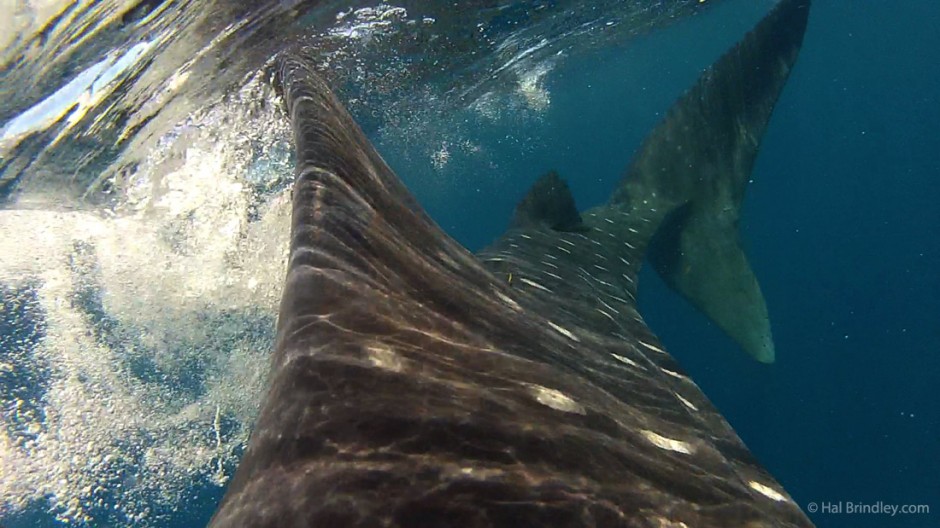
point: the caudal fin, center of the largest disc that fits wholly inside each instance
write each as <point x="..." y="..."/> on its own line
<point x="694" y="167"/>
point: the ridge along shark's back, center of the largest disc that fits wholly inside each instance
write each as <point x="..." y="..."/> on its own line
<point x="414" y="385"/>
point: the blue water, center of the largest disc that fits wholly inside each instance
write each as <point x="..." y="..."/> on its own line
<point x="842" y="225"/>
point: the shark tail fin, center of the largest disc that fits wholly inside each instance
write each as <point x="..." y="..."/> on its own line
<point x="693" y="169"/>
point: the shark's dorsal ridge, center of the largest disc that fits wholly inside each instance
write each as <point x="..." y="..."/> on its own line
<point x="415" y="385"/>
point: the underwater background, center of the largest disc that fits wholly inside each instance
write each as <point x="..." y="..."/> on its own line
<point x="140" y="261"/>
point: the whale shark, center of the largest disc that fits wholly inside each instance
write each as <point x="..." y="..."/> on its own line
<point x="414" y="384"/>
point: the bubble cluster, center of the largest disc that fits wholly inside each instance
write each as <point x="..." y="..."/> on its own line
<point x="136" y="342"/>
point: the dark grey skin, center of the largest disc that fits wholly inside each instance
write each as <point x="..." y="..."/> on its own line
<point x="416" y="385"/>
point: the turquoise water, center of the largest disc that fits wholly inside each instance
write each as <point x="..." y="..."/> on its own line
<point x="841" y="224"/>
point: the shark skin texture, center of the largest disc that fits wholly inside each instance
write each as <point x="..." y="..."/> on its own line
<point x="414" y="384"/>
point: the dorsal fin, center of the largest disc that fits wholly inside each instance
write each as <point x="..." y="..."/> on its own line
<point x="549" y="202"/>
<point x="699" y="159"/>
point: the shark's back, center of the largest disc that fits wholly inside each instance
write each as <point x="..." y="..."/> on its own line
<point x="416" y="385"/>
